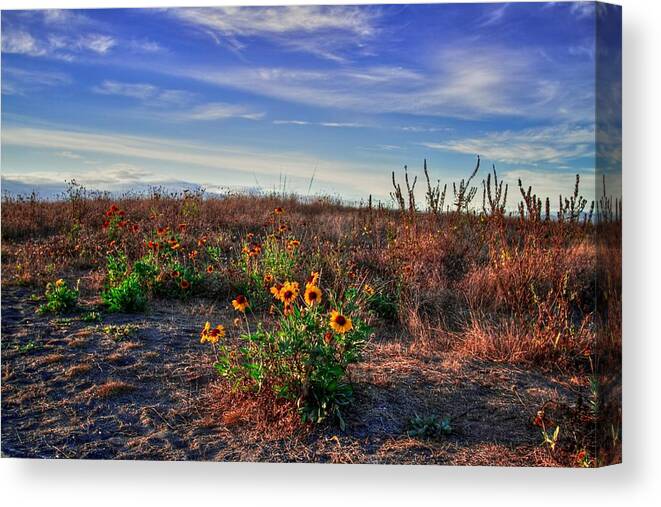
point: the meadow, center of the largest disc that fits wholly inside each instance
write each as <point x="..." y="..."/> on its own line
<point x="449" y="330"/>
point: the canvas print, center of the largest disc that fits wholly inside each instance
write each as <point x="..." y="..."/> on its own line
<point x="383" y="234"/>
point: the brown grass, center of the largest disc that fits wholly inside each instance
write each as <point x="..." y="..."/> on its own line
<point x="112" y="388"/>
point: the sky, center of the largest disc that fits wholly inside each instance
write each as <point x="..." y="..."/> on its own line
<point x="316" y="99"/>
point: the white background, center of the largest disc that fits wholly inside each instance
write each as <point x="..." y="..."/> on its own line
<point x="52" y="483"/>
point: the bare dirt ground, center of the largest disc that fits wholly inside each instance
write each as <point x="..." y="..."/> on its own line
<point x="145" y="389"/>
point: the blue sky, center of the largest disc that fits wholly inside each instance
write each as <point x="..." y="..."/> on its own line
<point x="242" y="97"/>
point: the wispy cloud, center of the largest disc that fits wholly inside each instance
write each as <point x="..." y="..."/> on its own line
<point x="18" y="81"/>
<point x="220" y="111"/>
<point x="463" y="83"/>
<point x="321" y="30"/>
<point x="554" y="144"/>
<point x="148" y="93"/>
<point x="494" y="14"/>
<point x="353" y="177"/>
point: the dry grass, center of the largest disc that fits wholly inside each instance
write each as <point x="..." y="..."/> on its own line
<point x="112" y="388"/>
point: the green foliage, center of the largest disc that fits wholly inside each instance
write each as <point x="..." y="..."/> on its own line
<point x="302" y="359"/>
<point x="120" y="332"/>
<point x="59" y="298"/>
<point x="429" y="427"/>
<point x="385" y="305"/>
<point x="92" y="316"/>
<point x="128" y="296"/>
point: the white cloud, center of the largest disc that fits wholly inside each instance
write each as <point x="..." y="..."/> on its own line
<point x="16" y="81"/>
<point x="529" y="146"/>
<point x="21" y="42"/>
<point x="352" y="177"/>
<point x="219" y="111"/>
<point x="133" y="90"/>
<point x="151" y="94"/>
<point x="100" y="44"/>
<point x="70" y="154"/>
<point x="57" y="46"/>
<point x="465" y="83"/>
<point x="320" y="30"/>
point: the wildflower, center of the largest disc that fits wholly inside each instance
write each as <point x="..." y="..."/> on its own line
<point x="209" y="269"/>
<point x="192" y="254"/>
<point x="275" y="290"/>
<point x="212" y="335"/>
<point x="162" y="231"/>
<point x="340" y="323"/>
<point x="369" y="290"/>
<point x="283" y="228"/>
<point x="175" y="246"/>
<point x="237" y="322"/>
<point x="112" y="243"/>
<point x="184" y="284"/>
<point x="203" y="240"/>
<point x="135" y="228"/>
<point x="289" y="309"/>
<point x="106" y="224"/>
<point x="182" y="227"/>
<point x="278" y="210"/>
<point x="289" y="292"/>
<point x="328" y="337"/>
<point x="176" y="274"/>
<point x="121" y="213"/>
<point x="122" y="224"/>
<point x="313" y="280"/>
<point x="312" y="295"/>
<point x="60" y="283"/>
<point x="580" y="456"/>
<point x="268" y="279"/>
<point x="240" y="303"/>
<point x="293" y="244"/>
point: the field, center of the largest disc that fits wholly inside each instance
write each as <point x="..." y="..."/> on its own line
<point x="445" y="332"/>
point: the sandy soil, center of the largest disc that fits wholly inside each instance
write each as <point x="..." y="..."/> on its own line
<point x="144" y="389"/>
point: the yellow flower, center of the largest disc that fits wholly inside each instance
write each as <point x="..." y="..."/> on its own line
<point x="240" y="303"/>
<point x="369" y="290"/>
<point x="312" y="295"/>
<point x="268" y="279"/>
<point x="313" y="280"/>
<point x="289" y="292"/>
<point x="340" y="323"/>
<point x="212" y="335"/>
<point x="59" y="283"/>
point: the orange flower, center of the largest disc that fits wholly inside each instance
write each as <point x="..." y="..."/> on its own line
<point x="192" y="254"/>
<point x="268" y="279"/>
<point x="313" y="280"/>
<point x="340" y="323"/>
<point x="176" y="274"/>
<point x="209" y="269"/>
<point x="184" y="284"/>
<point x="312" y="295"/>
<point x="278" y="210"/>
<point x="161" y="231"/>
<point x="288" y="293"/>
<point x="135" y="228"/>
<point x="240" y="303"/>
<point x="182" y="227"/>
<point x="175" y="246"/>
